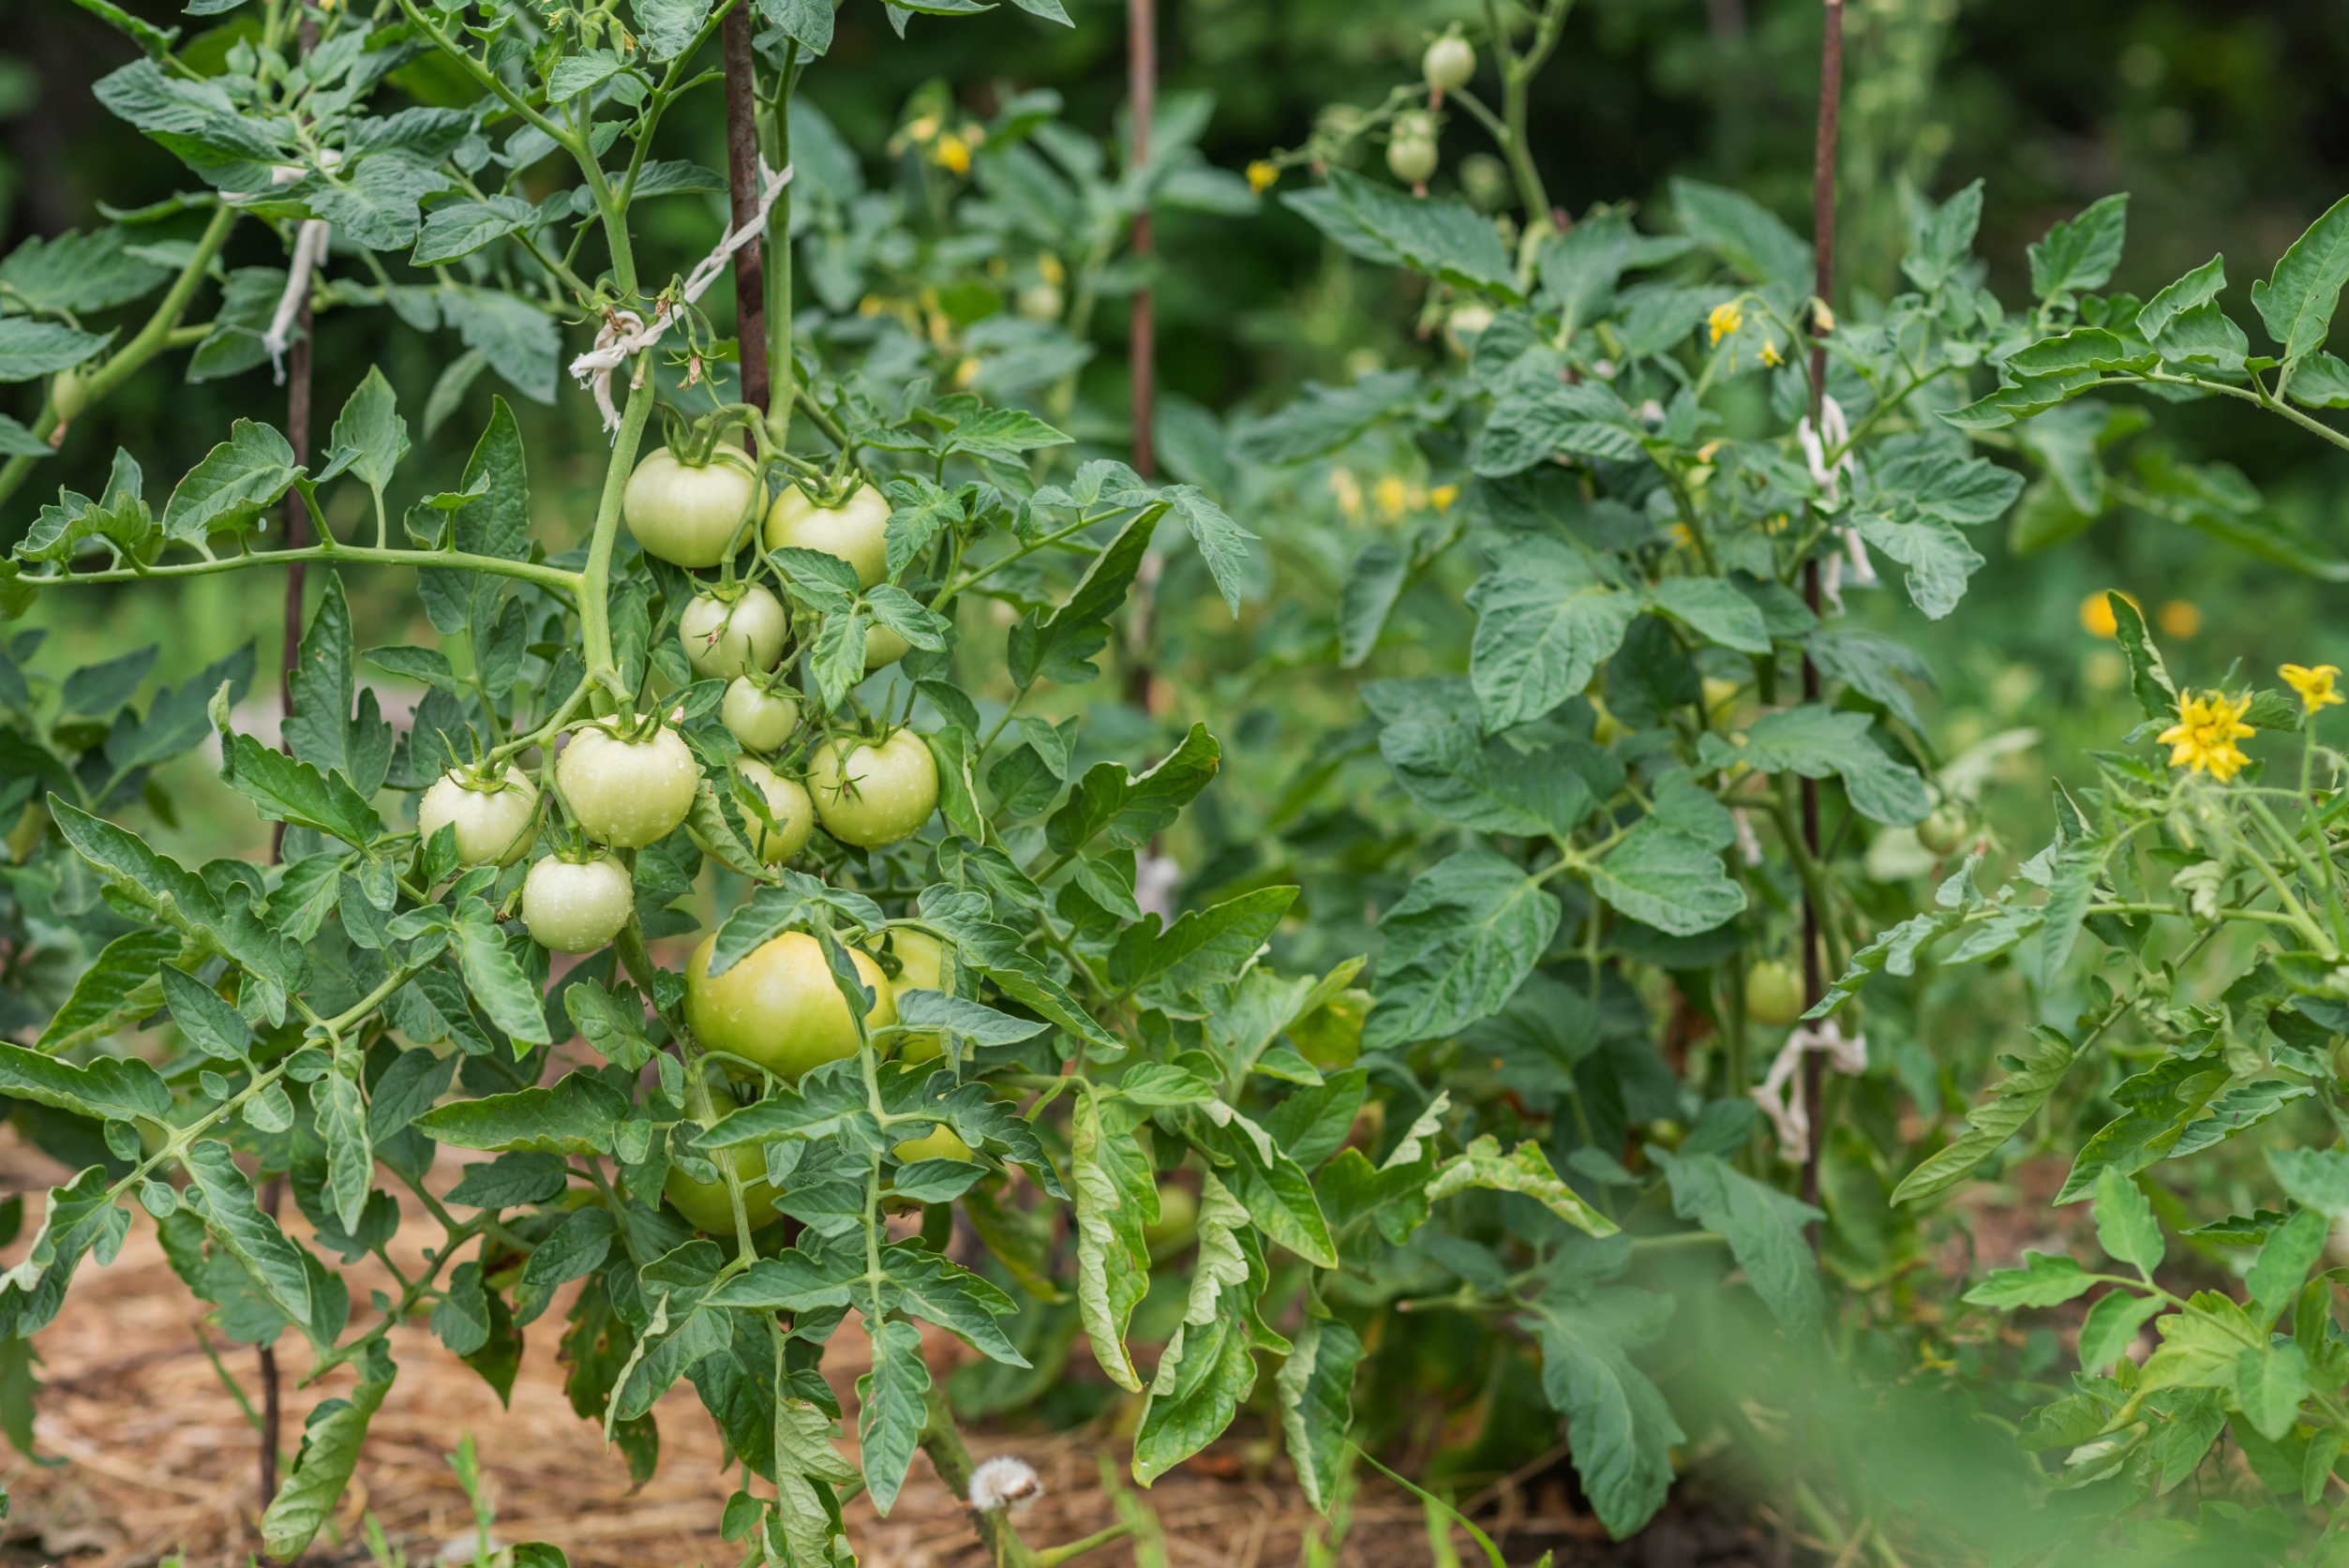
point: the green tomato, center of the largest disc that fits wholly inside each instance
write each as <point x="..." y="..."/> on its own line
<point x="787" y="802"/>
<point x="69" y="393"/>
<point x="856" y="530"/>
<point x="707" y="1206"/>
<point x="1945" y="831"/>
<point x="1774" y="993"/>
<point x="871" y="795"/>
<point x="626" y="793"/>
<point x="725" y="640"/>
<point x="1410" y="158"/>
<point x="493" y="817"/>
<point x="689" y="516"/>
<point x="1449" y="63"/>
<point x="920" y="966"/>
<point x="761" y="719"/>
<point x="1330" y="1037"/>
<point x="576" y="907"/>
<point x="941" y="1143"/>
<point x="882" y="647"/>
<point x="1177" y="1225"/>
<point x="778" y="1006"/>
<point x="1041" y="302"/>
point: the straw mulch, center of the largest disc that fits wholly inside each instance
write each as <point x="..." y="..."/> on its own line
<point x="151" y="1457"/>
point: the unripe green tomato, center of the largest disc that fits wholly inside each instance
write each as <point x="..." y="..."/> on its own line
<point x="1774" y="993"/>
<point x="1177" y="1225"/>
<point x="1330" y="1037"/>
<point x="1410" y="158"/>
<point x="1449" y="63"/>
<point x="788" y="801"/>
<point x="493" y="816"/>
<point x="778" y="1006"/>
<point x="576" y="907"/>
<point x="69" y="393"/>
<point x="871" y="795"/>
<point x="882" y="647"/>
<point x="941" y="1143"/>
<point x="761" y="719"/>
<point x="1945" y="831"/>
<point x="626" y="793"/>
<point x="920" y="966"/>
<point x="1041" y="302"/>
<point x="726" y="640"/>
<point x="689" y="516"/>
<point x="1485" y="179"/>
<point x="707" y="1206"/>
<point x="856" y="530"/>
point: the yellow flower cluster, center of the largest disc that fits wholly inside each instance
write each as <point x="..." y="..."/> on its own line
<point x="1262" y="173"/>
<point x="2204" y="739"/>
<point x="1393" y="496"/>
<point x="1726" y="318"/>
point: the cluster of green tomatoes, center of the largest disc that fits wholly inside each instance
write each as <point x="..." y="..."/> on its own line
<point x="623" y="783"/>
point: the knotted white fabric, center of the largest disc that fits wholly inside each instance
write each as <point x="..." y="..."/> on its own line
<point x="1833" y="432"/>
<point x="625" y="332"/>
<point x="1780" y="1096"/>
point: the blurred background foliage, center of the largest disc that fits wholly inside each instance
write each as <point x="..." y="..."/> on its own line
<point x="2228" y="124"/>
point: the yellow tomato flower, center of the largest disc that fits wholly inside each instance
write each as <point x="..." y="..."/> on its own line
<point x="1262" y="173"/>
<point x="1442" y="495"/>
<point x="1392" y="496"/>
<point x="1348" y="490"/>
<point x="967" y="373"/>
<point x="2314" y="684"/>
<point x="2180" y="618"/>
<point x="2204" y="739"/>
<point x="1770" y="356"/>
<point x="951" y="153"/>
<point x="1726" y="318"/>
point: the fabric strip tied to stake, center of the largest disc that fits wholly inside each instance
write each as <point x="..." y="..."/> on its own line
<point x="625" y="332"/>
<point x="1780" y="1094"/>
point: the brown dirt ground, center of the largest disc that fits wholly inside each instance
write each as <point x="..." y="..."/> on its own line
<point x="150" y="1456"/>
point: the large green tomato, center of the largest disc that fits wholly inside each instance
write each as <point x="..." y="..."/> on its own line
<point x="689" y="516"/>
<point x="856" y="530"/>
<point x="626" y="793"/>
<point x="778" y="1006"/>
<point x="920" y="966"/>
<point x="941" y="1143"/>
<point x="788" y="802"/>
<point x="492" y="817"/>
<point x="706" y="1205"/>
<point x="576" y="907"/>
<point x="723" y="640"/>
<point x="871" y="795"/>
<point x="761" y="718"/>
<point x="1774" y="993"/>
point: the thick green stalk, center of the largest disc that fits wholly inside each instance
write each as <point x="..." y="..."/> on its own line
<point x="595" y="580"/>
<point x="361" y="555"/>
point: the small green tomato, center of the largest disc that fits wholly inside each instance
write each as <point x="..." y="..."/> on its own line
<point x="576" y="907"/>
<point x="626" y="792"/>
<point x="761" y="717"/>
<point x="492" y="815"/>
<point x="869" y="794"/>
<point x="725" y="640"/>
<point x="1448" y="64"/>
<point x="1774" y="993"/>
